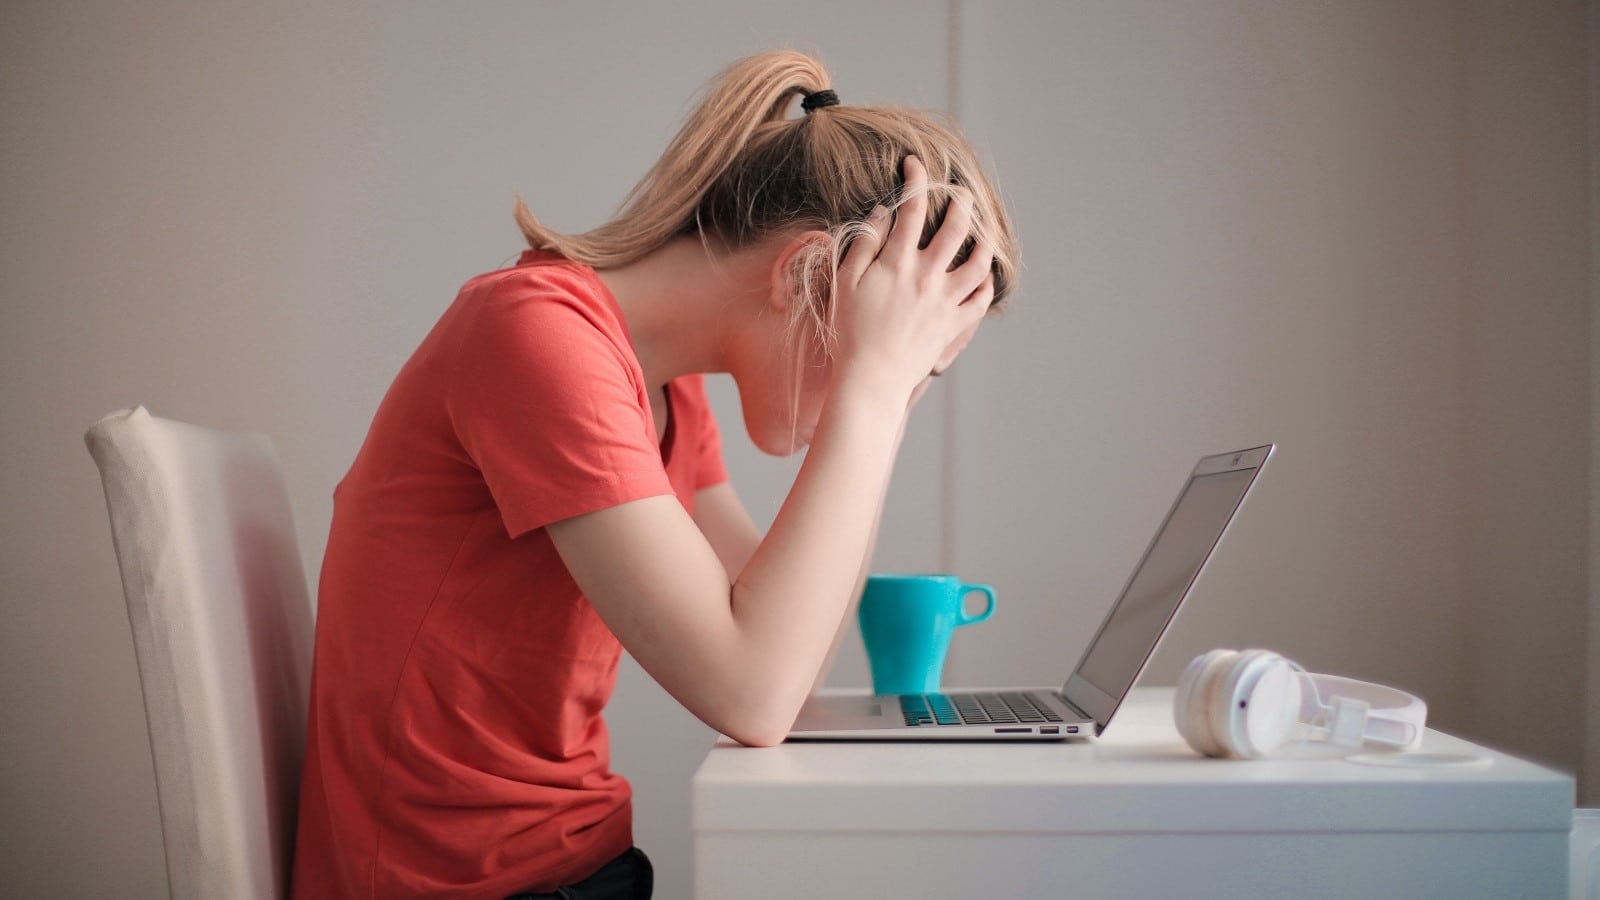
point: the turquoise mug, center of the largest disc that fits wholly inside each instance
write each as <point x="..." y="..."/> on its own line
<point x="906" y="622"/>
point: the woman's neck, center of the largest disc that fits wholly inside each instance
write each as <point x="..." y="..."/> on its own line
<point x="679" y="303"/>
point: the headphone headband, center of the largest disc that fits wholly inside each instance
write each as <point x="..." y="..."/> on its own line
<point x="1247" y="703"/>
<point x="1393" y="716"/>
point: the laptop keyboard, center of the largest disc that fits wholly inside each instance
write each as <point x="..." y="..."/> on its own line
<point x="975" y="709"/>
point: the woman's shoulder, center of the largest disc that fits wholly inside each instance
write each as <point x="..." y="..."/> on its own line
<point x="540" y="272"/>
<point x="542" y="290"/>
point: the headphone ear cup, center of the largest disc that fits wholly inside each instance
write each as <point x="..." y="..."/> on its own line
<point x="1191" y="705"/>
<point x="1218" y="702"/>
<point x="1185" y="694"/>
<point x="1222" y="707"/>
<point x="1262" y="700"/>
<point x="1275" y="707"/>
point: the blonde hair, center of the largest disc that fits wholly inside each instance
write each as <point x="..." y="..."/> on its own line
<point x="742" y="169"/>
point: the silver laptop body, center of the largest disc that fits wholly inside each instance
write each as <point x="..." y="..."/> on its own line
<point x="1120" y="650"/>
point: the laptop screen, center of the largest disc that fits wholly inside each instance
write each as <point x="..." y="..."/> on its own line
<point x="1194" y="526"/>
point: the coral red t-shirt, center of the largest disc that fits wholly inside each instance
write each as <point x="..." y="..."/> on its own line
<point x="456" y="745"/>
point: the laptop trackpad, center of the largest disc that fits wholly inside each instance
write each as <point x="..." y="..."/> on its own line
<point x="854" y="706"/>
<point x="826" y="713"/>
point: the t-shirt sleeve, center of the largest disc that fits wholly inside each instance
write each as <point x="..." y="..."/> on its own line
<point x="550" y="409"/>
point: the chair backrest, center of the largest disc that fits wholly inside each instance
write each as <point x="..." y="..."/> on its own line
<point x="222" y="628"/>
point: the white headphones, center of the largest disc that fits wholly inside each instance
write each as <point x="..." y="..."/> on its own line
<point x="1245" y="704"/>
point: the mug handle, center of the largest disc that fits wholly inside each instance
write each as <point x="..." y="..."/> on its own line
<point x="961" y="614"/>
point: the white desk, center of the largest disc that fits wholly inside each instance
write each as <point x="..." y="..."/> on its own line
<point x="1134" y="815"/>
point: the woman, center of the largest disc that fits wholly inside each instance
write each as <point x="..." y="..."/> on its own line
<point x="544" y="480"/>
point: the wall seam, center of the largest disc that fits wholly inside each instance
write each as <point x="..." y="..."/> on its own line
<point x="1589" y="781"/>
<point x="1465" y="536"/>
<point x="950" y="407"/>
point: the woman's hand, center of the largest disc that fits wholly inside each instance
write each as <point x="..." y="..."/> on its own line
<point x="901" y="309"/>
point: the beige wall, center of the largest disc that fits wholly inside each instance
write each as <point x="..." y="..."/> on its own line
<point x="248" y="217"/>
<point x="1241" y="226"/>
<point x="1356" y="230"/>
<point x="1525" y="306"/>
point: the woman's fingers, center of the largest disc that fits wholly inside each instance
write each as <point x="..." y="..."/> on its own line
<point x="976" y="304"/>
<point x="902" y="310"/>
<point x="864" y="246"/>
<point x="908" y="219"/>
<point x="952" y="231"/>
<point x="968" y="276"/>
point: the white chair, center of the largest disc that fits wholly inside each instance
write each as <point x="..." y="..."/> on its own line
<point x="222" y="628"/>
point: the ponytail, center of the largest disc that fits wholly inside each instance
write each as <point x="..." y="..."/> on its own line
<point x="741" y="169"/>
<point x="751" y="93"/>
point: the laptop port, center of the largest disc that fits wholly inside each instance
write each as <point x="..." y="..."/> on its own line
<point x="1013" y="731"/>
<point x="1050" y="729"/>
<point x="1072" y="729"/>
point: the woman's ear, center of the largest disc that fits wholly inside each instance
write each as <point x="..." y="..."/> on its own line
<point x="802" y="261"/>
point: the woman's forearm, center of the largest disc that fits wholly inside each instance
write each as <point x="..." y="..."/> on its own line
<point x="866" y="567"/>
<point x="790" y="599"/>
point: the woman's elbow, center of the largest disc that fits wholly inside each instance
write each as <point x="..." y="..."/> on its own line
<point x="760" y="739"/>
<point x="759" y="724"/>
<point x="756" y="705"/>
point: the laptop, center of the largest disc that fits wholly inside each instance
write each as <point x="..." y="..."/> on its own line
<point x="1084" y="705"/>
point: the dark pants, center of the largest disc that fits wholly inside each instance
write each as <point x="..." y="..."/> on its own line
<point x="628" y="877"/>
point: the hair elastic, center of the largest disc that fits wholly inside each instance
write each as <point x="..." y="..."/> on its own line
<point x="819" y="99"/>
